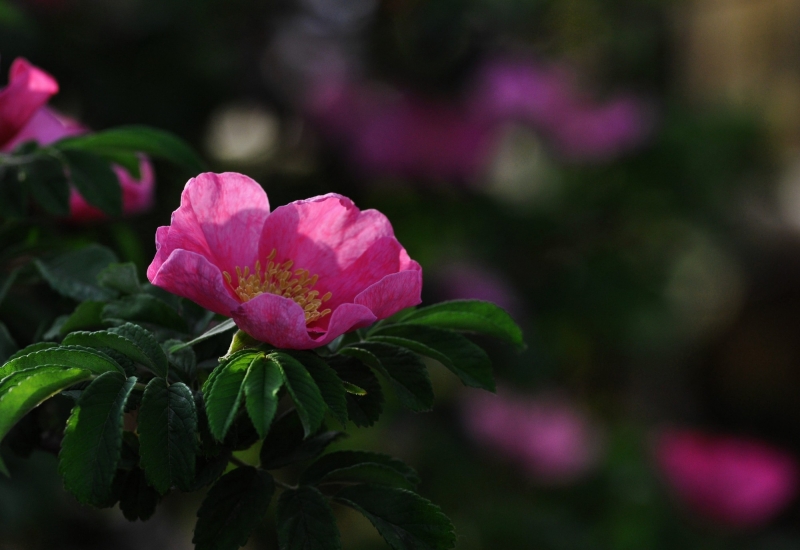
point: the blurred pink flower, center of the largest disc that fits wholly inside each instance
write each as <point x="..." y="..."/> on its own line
<point x="547" y="435"/>
<point x="549" y="99"/>
<point x="390" y="133"/>
<point x="387" y="132"/>
<point x="296" y="277"/>
<point x="24" y="116"/>
<point x="737" y="482"/>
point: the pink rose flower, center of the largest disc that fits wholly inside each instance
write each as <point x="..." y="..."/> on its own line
<point x="296" y="277"/>
<point x="548" y="436"/>
<point x="24" y="116"/>
<point x="736" y="482"/>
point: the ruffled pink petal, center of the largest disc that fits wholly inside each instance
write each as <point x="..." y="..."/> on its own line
<point x="384" y="257"/>
<point x="45" y="127"/>
<point x="323" y="234"/>
<point x="29" y="88"/>
<point x="220" y="218"/>
<point x="393" y="293"/>
<point x="192" y="276"/>
<point x="281" y="322"/>
<point x="161" y="252"/>
<point x="137" y="195"/>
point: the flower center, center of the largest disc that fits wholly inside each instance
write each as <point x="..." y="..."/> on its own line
<point x="279" y="279"/>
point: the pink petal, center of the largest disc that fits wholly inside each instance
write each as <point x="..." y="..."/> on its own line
<point x="137" y="196"/>
<point x="323" y="234"/>
<point x="192" y="276"/>
<point x="29" y="88"/>
<point x="384" y="257"/>
<point x="281" y="322"/>
<point x="220" y="218"/>
<point x="161" y="252"/>
<point x="45" y="127"/>
<point x="393" y="293"/>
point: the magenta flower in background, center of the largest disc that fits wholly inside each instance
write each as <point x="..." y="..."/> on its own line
<point x="548" y="98"/>
<point x="24" y="116"/>
<point x="296" y="277"/>
<point x="736" y="482"/>
<point x="547" y="436"/>
<point x="390" y="133"/>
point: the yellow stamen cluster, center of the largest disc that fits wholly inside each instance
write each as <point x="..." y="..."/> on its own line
<point x="281" y="280"/>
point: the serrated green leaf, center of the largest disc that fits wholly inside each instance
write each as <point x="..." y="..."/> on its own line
<point x="466" y="360"/>
<point x="22" y="391"/>
<point x="90" y="450"/>
<point x="183" y="361"/>
<point x="147" y="343"/>
<point x="38" y="346"/>
<point x="223" y="392"/>
<point x="471" y="316"/>
<point x="48" y="185"/>
<point x="329" y="383"/>
<point x="167" y="426"/>
<point x="94" y="179"/>
<point x="74" y="274"/>
<point x="285" y="443"/>
<point x="137" y="499"/>
<point x="121" y="278"/>
<point x="86" y="316"/>
<point x="143" y="139"/>
<point x="404" y="519"/>
<point x="143" y="308"/>
<point x="261" y="385"/>
<point x="405" y="371"/>
<point x="304" y="391"/>
<point x="232" y="509"/>
<point x="340" y="465"/>
<point x="92" y="360"/>
<point x="305" y="521"/>
<point x="363" y="410"/>
<point x="119" y="343"/>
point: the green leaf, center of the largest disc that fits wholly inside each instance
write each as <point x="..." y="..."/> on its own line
<point x="92" y="360"/>
<point x="48" y="185"/>
<point x="261" y="385"/>
<point x="223" y="391"/>
<point x="8" y="346"/>
<point x="466" y="360"/>
<point x="13" y="193"/>
<point x="361" y="466"/>
<point x="24" y="390"/>
<point x="85" y="316"/>
<point x="405" y="371"/>
<point x="304" y="391"/>
<point x="221" y="328"/>
<point x="137" y="499"/>
<point x="365" y="409"/>
<point x="285" y="443"/>
<point x="168" y="435"/>
<point x="471" y="316"/>
<point x="74" y="274"/>
<point x="144" y="139"/>
<point x="328" y="382"/>
<point x="94" y="179"/>
<point x="143" y="308"/>
<point x="305" y="521"/>
<point x="90" y="450"/>
<point x="232" y="509"/>
<point x="146" y="342"/>
<point x="38" y="346"/>
<point x="404" y="519"/>
<point x="184" y="360"/>
<point x="118" y="342"/>
<point x="121" y="278"/>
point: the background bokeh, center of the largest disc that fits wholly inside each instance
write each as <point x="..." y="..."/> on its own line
<point x="623" y="176"/>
